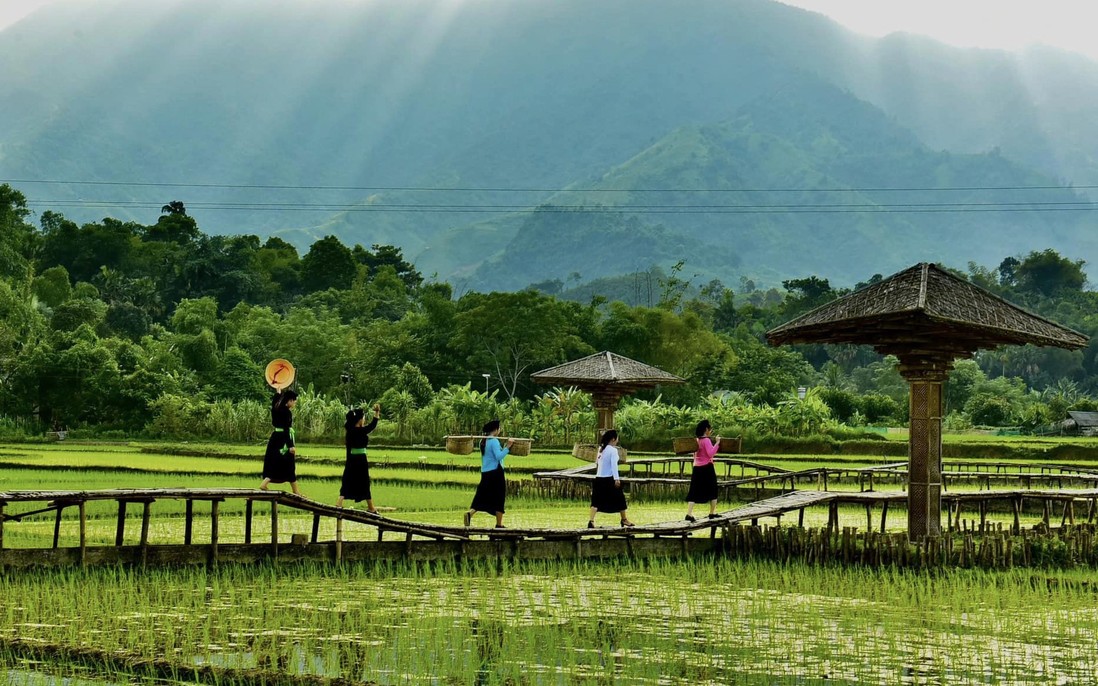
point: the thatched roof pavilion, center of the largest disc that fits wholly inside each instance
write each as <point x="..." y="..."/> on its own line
<point x="924" y="309"/>
<point x="926" y="317"/>
<point x="608" y="377"/>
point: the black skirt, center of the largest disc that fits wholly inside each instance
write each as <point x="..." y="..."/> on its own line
<point x="279" y="466"/>
<point x="703" y="484"/>
<point x="606" y="497"/>
<point x="356" y="479"/>
<point x="491" y="492"/>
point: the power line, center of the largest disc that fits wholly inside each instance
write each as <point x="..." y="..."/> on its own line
<point x="829" y="208"/>
<point x="517" y="189"/>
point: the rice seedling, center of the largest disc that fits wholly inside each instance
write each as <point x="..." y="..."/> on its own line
<point x="677" y="622"/>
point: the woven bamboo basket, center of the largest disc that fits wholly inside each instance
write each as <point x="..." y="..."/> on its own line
<point x="730" y="445"/>
<point x="459" y="445"/>
<point x="521" y="446"/>
<point x="589" y="451"/>
<point x="585" y="451"/>
<point x="681" y="446"/>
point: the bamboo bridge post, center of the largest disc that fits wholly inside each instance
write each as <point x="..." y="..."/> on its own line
<point x="57" y="526"/>
<point x="214" y="510"/>
<point x="188" y="518"/>
<point x="145" y="516"/>
<point x="2" y="505"/>
<point x="274" y="529"/>
<point x="316" y="527"/>
<point x="1016" y="505"/>
<point x="339" y="539"/>
<point x="120" y="529"/>
<point x="248" y="521"/>
<point x="869" y="517"/>
<point x="83" y="533"/>
<point x="884" y="516"/>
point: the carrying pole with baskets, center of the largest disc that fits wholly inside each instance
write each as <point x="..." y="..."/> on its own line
<point x="463" y="445"/>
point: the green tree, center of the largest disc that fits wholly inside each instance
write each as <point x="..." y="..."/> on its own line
<point x="963" y="379"/>
<point x="388" y="256"/>
<point x="18" y="239"/>
<point x="76" y="312"/>
<point x="765" y="374"/>
<point x="1047" y="273"/>
<point x="328" y="264"/>
<point x="238" y="378"/>
<point x="511" y="335"/>
<point x="52" y="286"/>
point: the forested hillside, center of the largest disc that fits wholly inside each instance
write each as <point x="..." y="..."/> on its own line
<point x="450" y="129"/>
<point x="162" y="330"/>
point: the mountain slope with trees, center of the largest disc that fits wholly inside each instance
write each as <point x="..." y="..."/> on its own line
<point x="305" y="120"/>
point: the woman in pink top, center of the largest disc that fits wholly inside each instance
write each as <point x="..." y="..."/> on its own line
<point x="703" y="477"/>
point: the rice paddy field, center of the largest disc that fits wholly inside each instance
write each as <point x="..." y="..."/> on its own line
<point x="703" y="620"/>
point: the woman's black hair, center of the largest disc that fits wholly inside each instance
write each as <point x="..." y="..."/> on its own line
<point x="488" y="428"/>
<point x="282" y="397"/>
<point x="699" y="431"/>
<point x="353" y="416"/>
<point x="606" y="438"/>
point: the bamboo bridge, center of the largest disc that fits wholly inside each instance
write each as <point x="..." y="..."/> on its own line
<point x="391" y="539"/>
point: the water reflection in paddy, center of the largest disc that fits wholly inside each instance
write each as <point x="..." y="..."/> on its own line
<point x="696" y="623"/>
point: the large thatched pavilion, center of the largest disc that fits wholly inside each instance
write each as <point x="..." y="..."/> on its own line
<point x="926" y="317"/>
<point x="608" y="377"/>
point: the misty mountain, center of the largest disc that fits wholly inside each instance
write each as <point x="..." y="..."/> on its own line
<point x="373" y="121"/>
<point x="818" y="152"/>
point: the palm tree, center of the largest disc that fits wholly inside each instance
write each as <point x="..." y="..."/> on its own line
<point x="174" y="207"/>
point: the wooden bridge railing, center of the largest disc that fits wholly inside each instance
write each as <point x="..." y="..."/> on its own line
<point x="58" y="501"/>
<point x="867" y="478"/>
<point x="426" y="541"/>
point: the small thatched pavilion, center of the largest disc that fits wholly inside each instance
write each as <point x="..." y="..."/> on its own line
<point x="608" y="377"/>
<point x="927" y="318"/>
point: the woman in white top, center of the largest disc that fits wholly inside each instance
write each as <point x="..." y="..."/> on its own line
<point x="606" y="495"/>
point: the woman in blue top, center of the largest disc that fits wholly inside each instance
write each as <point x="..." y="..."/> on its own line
<point x="492" y="491"/>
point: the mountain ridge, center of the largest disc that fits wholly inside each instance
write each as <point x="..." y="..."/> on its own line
<point x="507" y="95"/>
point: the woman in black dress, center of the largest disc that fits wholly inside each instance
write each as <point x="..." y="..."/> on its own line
<point x="491" y="493"/>
<point x="606" y="493"/>
<point x="356" y="470"/>
<point x="279" y="465"/>
<point x="703" y="474"/>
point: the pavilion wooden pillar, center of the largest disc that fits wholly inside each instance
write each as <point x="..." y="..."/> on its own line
<point x="924" y="466"/>
<point x="604" y="402"/>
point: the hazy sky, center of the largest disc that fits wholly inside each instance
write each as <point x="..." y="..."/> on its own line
<point x="1009" y="24"/>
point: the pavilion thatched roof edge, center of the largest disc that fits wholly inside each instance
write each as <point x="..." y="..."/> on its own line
<point x="931" y="301"/>
<point x="605" y="369"/>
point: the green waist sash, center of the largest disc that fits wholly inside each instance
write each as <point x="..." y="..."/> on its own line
<point x="358" y="451"/>
<point x="286" y="448"/>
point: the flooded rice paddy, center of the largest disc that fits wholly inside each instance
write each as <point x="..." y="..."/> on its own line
<point x="692" y="622"/>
